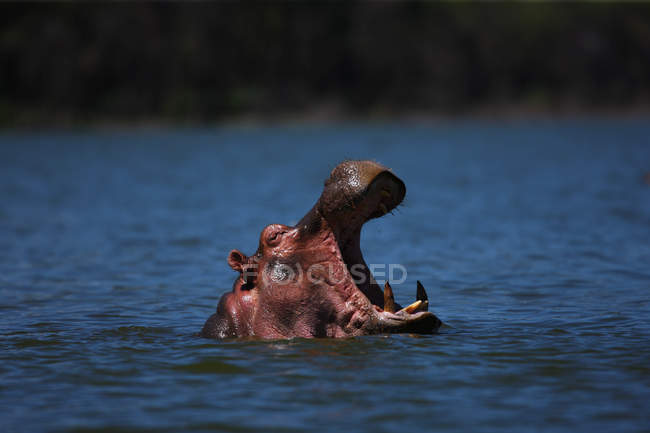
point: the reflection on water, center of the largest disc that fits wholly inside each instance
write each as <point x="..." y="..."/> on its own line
<point x="532" y="239"/>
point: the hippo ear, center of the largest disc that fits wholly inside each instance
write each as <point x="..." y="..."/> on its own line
<point x="236" y="260"/>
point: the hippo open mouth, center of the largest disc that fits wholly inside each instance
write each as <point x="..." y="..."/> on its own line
<point x="311" y="280"/>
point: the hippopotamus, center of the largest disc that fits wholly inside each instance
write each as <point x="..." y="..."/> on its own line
<point x="311" y="280"/>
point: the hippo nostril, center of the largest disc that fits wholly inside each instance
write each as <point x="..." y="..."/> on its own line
<point x="274" y="238"/>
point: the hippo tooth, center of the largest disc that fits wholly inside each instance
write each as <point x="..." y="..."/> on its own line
<point x="421" y="293"/>
<point x="383" y="208"/>
<point x="389" y="300"/>
<point x="412" y="308"/>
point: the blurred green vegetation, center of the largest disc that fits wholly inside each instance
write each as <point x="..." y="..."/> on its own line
<point x="76" y="63"/>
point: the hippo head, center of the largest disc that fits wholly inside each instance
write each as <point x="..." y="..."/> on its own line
<point x="311" y="280"/>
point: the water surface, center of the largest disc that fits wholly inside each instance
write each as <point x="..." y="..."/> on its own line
<point x="532" y="238"/>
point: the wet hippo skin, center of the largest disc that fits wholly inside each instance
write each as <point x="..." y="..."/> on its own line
<point x="311" y="280"/>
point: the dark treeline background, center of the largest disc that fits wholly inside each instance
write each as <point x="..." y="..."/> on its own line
<point x="68" y="63"/>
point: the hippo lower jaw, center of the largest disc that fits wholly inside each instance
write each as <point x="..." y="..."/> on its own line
<point x="414" y="318"/>
<point x="384" y="314"/>
<point x="311" y="280"/>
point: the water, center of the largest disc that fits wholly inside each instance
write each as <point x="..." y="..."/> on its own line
<point x="532" y="238"/>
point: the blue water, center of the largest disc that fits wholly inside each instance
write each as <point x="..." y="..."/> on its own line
<point x="532" y="238"/>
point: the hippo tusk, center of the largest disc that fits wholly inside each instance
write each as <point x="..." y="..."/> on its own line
<point x="411" y="308"/>
<point x="389" y="299"/>
<point x="421" y="304"/>
<point x="421" y="294"/>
